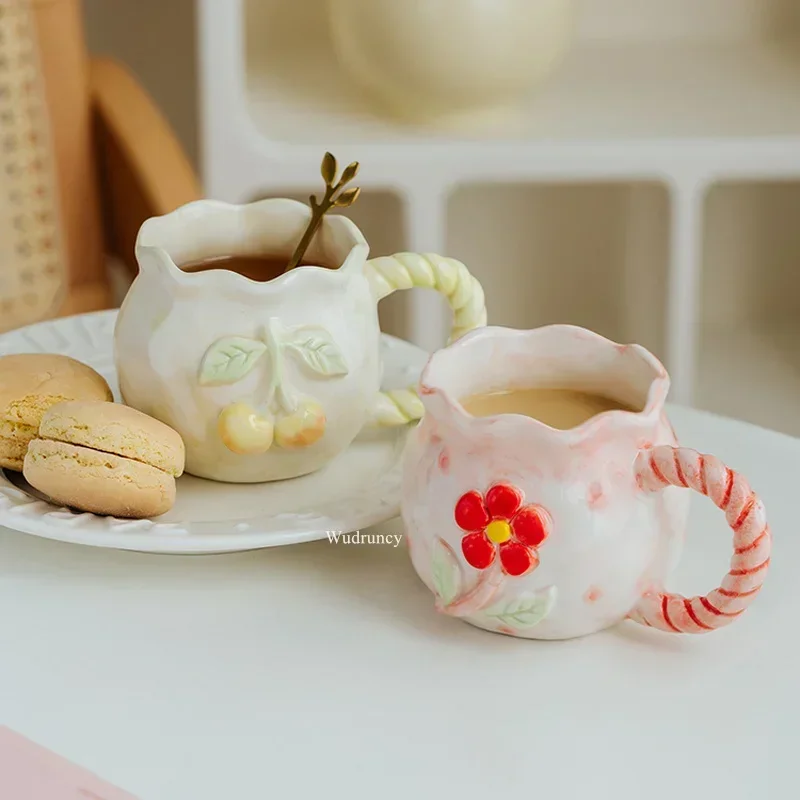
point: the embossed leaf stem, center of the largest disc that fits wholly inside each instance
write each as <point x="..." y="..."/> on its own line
<point x="478" y="597"/>
<point x="273" y="335"/>
<point x="446" y="572"/>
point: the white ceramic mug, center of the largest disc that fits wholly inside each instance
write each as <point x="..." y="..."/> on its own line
<point x="523" y="529"/>
<point x="268" y="380"/>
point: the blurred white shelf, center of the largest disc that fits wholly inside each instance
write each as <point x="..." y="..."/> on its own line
<point x="602" y="93"/>
<point x="693" y="110"/>
<point x="752" y="372"/>
<point x="701" y="112"/>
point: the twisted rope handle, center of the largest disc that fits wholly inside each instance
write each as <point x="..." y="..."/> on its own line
<point x="447" y="276"/>
<point x="663" y="466"/>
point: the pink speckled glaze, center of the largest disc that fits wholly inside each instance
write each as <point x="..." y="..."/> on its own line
<point x="609" y="492"/>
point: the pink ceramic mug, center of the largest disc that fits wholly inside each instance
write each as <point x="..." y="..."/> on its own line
<point x="531" y="531"/>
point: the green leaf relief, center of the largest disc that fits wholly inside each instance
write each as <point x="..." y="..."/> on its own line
<point x="446" y="572"/>
<point x="316" y="348"/>
<point x="524" y="611"/>
<point x="229" y="360"/>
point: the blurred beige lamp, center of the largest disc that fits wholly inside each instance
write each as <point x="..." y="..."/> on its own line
<point x="428" y="60"/>
<point x="85" y="157"/>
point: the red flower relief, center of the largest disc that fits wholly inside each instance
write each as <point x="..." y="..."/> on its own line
<point x="499" y="522"/>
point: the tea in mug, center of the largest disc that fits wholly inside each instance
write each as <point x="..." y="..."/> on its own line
<point x="559" y="408"/>
<point x="256" y="268"/>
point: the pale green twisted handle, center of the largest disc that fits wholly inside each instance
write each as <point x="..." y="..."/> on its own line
<point x="464" y="295"/>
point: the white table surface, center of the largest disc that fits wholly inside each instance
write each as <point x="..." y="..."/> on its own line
<point x="322" y="670"/>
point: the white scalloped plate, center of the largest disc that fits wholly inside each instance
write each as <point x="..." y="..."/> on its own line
<point x="356" y="490"/>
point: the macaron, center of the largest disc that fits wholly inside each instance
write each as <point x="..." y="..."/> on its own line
<point x="30" y="383"/>
<point x="105" y="458"/>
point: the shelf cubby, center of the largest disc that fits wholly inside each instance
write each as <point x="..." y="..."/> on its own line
<point x="749" y="348"/>
<point x="553" y="253"/>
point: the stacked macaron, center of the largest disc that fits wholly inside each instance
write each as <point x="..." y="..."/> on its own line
<point x="105" y="458"/>
<point x="30" y="384"/>
<point x="60" y="427"/>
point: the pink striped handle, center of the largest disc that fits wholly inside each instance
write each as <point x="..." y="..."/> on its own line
<point x="663" y="466"/>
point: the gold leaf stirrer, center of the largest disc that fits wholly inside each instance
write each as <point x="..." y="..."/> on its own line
<point x="334" y="198"/>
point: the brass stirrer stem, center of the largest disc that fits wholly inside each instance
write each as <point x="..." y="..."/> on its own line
<point x="334" y="197"/>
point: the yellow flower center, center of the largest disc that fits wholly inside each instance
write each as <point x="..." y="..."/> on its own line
<point x="498" y="531"/>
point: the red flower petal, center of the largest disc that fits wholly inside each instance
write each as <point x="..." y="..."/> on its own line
<point x="471" y="514"/>
<point x="503" y="501"/>
<point x="531" y="526"/>
<point x="517" y="559"/>
<point x="478" y="550"/>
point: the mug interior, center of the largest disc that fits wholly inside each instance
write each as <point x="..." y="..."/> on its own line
<point x="207" y="231"/>
<point x="493" y="360"/>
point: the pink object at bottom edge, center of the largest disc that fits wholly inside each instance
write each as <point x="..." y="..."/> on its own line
<point x="31" y="772"/>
